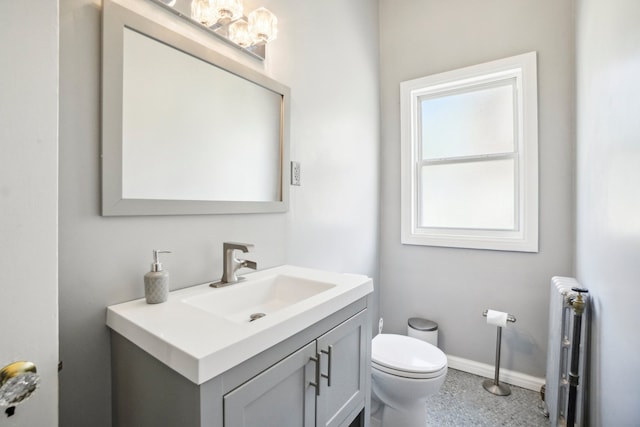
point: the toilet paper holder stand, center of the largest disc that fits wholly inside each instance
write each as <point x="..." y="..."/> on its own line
<point x="510" y="317"/>
<point x="493" y="386"/>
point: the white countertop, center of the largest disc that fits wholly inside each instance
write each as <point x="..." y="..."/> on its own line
<point x="201" y="345"/>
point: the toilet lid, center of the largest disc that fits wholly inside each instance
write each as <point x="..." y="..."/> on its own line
<point x="406" y="354"/>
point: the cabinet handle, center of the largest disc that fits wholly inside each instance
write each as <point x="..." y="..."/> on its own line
<point x="316" y="383"/>
<point x="328" y="352"/>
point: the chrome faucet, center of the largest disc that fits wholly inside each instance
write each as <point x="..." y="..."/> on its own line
<point x="231" y="264"/>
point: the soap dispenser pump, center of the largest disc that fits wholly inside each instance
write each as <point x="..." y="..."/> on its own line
<point x="156" y="282"/>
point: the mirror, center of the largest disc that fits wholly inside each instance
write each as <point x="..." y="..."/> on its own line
<point x="185" y="129"/>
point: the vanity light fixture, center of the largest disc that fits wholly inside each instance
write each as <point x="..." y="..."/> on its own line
<point x="225" y="18"/>
<point x="202" y="12"/>
<point x="263" y="26"/>
<point x="239" y="33"/>
<point x="226" y="10"/>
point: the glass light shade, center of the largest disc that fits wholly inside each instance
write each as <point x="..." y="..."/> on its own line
<point x="227" y="10"/>
<point x="239" y="33"/>
<point x="202" y="12"/>
<point x="263" y="25"/>
<point x="169" y="2"/>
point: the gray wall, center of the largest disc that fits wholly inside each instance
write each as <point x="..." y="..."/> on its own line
<point x="29" y="201"/>
<point x="454" y="286"/>
<point x="332" y="223"/>
<point x="608" y="202"/>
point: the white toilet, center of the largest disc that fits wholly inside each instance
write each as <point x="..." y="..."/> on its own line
<point x="405" y="371"/>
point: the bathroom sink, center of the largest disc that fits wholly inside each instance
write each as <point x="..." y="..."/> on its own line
<point x="201" y="332"/>
<point x="252" y="300"/>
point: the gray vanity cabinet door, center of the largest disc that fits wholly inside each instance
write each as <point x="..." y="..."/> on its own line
<point x="344" y="357"/>
<point x="281" y="396"/>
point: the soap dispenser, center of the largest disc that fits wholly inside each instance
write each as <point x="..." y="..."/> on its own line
<point x="156" y="282"/>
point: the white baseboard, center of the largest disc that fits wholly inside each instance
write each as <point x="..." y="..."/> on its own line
<point x="488" y="371"/>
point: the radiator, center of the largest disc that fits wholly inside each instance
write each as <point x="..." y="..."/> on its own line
<point x="559" y="350"/>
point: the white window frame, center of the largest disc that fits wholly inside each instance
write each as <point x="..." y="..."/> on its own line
<point x="524" y="236"/>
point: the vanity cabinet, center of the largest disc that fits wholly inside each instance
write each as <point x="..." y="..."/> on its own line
<point x="318" y="377"/>
<point x="347" y="363"/>
<point x="281" y="396"/>
<point x="319" y="385"/>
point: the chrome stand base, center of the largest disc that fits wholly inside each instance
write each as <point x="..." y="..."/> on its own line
<point x="497" y="389"/>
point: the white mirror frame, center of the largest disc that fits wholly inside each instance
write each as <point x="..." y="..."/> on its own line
<point x="115" y="19"/>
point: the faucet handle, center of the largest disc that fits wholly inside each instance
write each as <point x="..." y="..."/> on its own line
<point x="244" y="247"/>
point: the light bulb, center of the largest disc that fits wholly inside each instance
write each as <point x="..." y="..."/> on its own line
<point x="227" y="10"/>
<point x="263" y="25"/>
<point x="202" y="12"/>
<point x="239" y="33"/>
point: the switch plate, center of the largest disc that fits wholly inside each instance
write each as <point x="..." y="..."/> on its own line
<point x="295" y="173"/>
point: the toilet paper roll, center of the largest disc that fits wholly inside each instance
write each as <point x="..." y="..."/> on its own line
<point x="497" y="318"/>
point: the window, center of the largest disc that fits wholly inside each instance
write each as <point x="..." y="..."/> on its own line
<point x="470" y="157"/>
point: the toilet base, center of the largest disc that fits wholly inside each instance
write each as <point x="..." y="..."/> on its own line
<point x="415" y="416"/>
<point x="408" y="416"/>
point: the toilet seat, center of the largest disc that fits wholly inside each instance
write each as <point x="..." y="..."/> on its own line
<point x="407" y="357"/>
<point x="410" y="375"/>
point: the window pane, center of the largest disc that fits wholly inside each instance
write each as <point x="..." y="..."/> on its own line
<point x="470" y="123"/>
<point x="469" y="195"/>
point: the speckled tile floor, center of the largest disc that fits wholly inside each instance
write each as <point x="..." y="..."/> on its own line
<point x="462" y="402"/>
